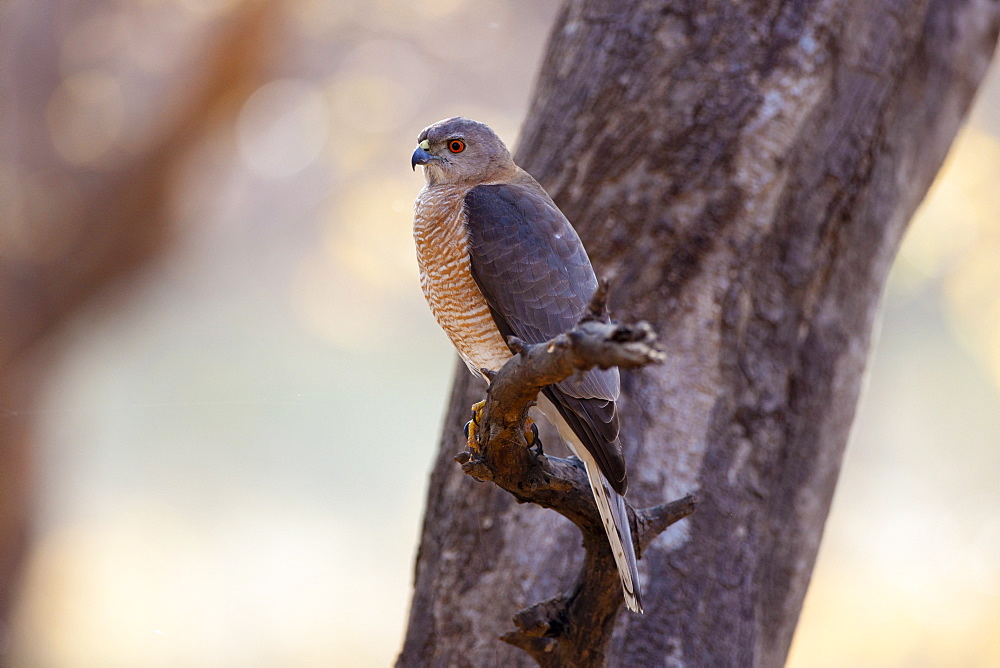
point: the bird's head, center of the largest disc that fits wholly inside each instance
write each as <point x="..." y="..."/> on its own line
<point x="459" y="151"/>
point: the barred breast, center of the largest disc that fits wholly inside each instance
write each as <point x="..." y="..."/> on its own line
<point x="447" y="282"/>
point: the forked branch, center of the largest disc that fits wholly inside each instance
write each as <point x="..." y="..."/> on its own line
<point x="572" y="628"/>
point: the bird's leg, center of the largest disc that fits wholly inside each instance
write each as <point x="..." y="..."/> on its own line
<point x="472" y="426"/>
<point x="531" y="436"/>
<point x="472" y="431"/>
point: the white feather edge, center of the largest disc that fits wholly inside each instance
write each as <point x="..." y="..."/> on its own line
<point x="610" y="505"/>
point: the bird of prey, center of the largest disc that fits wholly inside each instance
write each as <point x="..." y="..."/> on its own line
<point x="498" y="258"/>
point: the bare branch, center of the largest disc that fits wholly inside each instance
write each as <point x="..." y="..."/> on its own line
<point x="562" y="630"/>
<point x="598" y="307"/>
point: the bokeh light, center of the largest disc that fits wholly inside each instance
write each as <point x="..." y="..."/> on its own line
<point x="85" y="115"/>
<point x="282" y="127"/>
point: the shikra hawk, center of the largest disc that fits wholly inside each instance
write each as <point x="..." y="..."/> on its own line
<point x="498" y="258"/>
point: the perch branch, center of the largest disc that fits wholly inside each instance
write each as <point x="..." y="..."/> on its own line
<point x="561" y="630"/>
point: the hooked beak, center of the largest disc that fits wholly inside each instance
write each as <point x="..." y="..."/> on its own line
<point x="421" y="156"/>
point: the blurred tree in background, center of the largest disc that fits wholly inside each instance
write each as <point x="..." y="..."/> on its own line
<point x="85" y="185"/>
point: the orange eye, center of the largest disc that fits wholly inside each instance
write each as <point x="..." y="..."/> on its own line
<point x="456" y="146"/>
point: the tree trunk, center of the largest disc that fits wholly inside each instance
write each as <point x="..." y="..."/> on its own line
<point x="743" y="172"/>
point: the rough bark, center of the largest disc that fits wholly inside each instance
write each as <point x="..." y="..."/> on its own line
<point x="745" y="171"/>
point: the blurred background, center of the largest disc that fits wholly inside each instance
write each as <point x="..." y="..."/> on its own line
<point x="229" y="448"/>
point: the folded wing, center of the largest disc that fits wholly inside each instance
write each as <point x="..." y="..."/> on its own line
<point x="537" y="279"/>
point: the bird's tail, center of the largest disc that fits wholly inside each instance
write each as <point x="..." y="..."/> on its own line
<point x="611" y="505"/>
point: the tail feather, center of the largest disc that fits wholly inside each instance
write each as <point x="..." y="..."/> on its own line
<point x="611" y="506"/>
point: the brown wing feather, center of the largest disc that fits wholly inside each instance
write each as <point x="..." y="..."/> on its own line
<point x="537" y="279"/>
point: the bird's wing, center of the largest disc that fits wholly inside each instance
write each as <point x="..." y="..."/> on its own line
<point x="534" y="272"/>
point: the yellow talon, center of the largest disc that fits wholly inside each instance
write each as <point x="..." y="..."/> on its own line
<point x="530" y="431"/>
<point x="531" y="435"/>
<point x="472" y="426"/>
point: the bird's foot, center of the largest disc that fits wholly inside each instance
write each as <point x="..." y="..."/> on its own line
<point x="531" y="436"/>
<point x="472" y="426"/>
